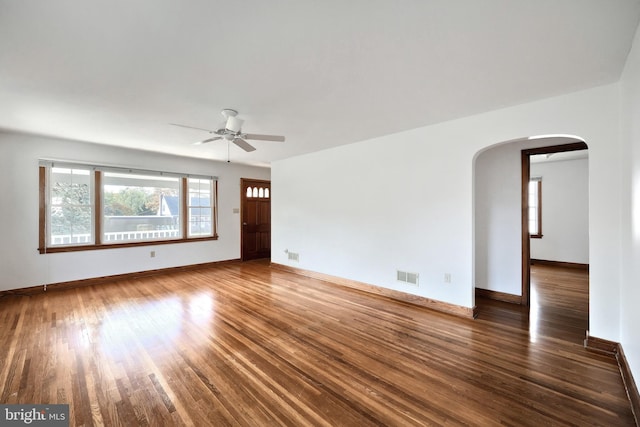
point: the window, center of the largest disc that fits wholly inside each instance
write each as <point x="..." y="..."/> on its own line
<point x="135" y="207"/>
<point x="91" y="207"/>
<point x="199" y="207"/>
<point x="71" y="206"/>
<point x="535" y="208"/>
<point x="262" y="193"/>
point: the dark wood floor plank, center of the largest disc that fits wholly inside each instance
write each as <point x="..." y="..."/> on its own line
<point x="243" y="344"/>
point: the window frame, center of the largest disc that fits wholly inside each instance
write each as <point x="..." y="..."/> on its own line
<point x="538" y="207"/>
<point x="44" y="246"/>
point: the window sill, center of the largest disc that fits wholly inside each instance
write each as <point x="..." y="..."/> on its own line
<point x="77" y="248"/>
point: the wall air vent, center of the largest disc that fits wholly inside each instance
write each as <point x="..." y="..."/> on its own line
<point x="293" y="256"/>
<point x="406" y="277"/>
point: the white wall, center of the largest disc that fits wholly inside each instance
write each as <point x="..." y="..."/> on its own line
<point x="22" y="266"/>
<point x="498" y="215"/>
<point x="405" y="201"/>
<point x="565" y="211"/>
<point x="630" y="288"/>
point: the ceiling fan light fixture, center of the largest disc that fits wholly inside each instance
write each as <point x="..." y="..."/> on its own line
<point x="234" y="124"/>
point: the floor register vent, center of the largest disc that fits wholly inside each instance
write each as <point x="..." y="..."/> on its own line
<point x="406" y="277"/>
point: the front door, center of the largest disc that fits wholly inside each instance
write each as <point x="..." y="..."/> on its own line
<point x="256" y="219"/>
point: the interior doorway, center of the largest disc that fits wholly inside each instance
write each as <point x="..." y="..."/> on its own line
<point x="526" y="177"/>
<point x="255" y="206"/>
<point x="503" y="275"/>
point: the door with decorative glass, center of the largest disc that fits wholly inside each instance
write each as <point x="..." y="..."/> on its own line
<point x="255" y="219"/>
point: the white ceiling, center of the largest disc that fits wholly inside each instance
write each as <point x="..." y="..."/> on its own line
<point x="323" y="73"/>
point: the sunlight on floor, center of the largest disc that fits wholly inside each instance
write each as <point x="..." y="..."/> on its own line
<point x="534" y="315"/>
<point x="201" y="308"/>
<point x="154" y="324"/>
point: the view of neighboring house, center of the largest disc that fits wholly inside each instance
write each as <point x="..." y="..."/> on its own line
<point x="199" y="216"/>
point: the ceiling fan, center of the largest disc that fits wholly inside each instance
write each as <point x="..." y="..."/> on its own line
<point x="231" y="131"/>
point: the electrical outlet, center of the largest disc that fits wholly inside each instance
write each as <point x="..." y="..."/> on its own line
<point x="447" y="277"/>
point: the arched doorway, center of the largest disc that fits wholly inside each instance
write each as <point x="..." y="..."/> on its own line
<point x="501" y="223"/>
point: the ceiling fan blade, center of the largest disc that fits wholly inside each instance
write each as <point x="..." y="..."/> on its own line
<point x="243" y="144"/>
<point x="189" y="127"/>
<point x="215" y="138"/>
<point x="275" y="138"/>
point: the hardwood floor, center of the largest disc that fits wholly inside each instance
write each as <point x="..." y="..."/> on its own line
<point x="244" y="344"/>
<point x="560" y="302"/>
<point x="559" y="305"/>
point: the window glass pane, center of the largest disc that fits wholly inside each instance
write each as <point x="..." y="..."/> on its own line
<point x="199" y="206"/>
<point x="266" y="193"/>
<point x="140" y="207"/>
<point x="534" y="228"/>
<point x="248" y="191"/>
<point x="70" y="214"/>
